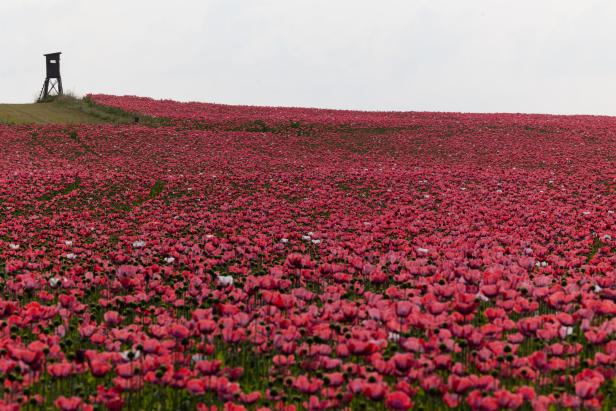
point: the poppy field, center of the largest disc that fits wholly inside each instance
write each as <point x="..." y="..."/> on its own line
<point x="218" y="257"/>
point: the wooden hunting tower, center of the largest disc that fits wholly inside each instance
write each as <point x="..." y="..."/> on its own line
<point x="53" y="82"/>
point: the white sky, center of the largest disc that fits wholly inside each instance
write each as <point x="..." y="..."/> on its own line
<point x="549" y="56"/>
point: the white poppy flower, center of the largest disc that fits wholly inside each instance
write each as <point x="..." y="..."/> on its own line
<point x="481" y="297"/>
<point x="225" y="280"/>
<point x="197" y="357"/>
<point x="127" y="354"/>
<point x="566" y="331"/>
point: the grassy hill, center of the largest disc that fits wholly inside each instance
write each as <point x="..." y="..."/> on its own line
<point x="62" y="110"/>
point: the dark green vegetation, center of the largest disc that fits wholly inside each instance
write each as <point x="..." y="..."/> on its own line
<point x="63" y="110"/>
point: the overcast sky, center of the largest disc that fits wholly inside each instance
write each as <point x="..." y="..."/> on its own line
<point x="548" y="56"/>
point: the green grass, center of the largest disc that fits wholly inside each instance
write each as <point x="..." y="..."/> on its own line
<point x="156" y="189"/>
<point x="62" y="110"/>
<point x="66" y="190"/>
<point x="594" y="249"/>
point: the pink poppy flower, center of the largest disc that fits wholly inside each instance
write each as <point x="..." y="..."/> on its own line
<point x="398" y="400"/>
<point x="195" y="386"/>
<point x="68" y="404"/>
<point x="60" y="370"/>
<point x="403" y="308"/>
<point x="586" y="389"/>
<point x="179" y="331"/>
<point x="99" y="368"/>
<point x="112" y="318"/>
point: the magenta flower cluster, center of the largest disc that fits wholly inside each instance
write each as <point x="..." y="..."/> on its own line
<point x="234" y="258"/>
